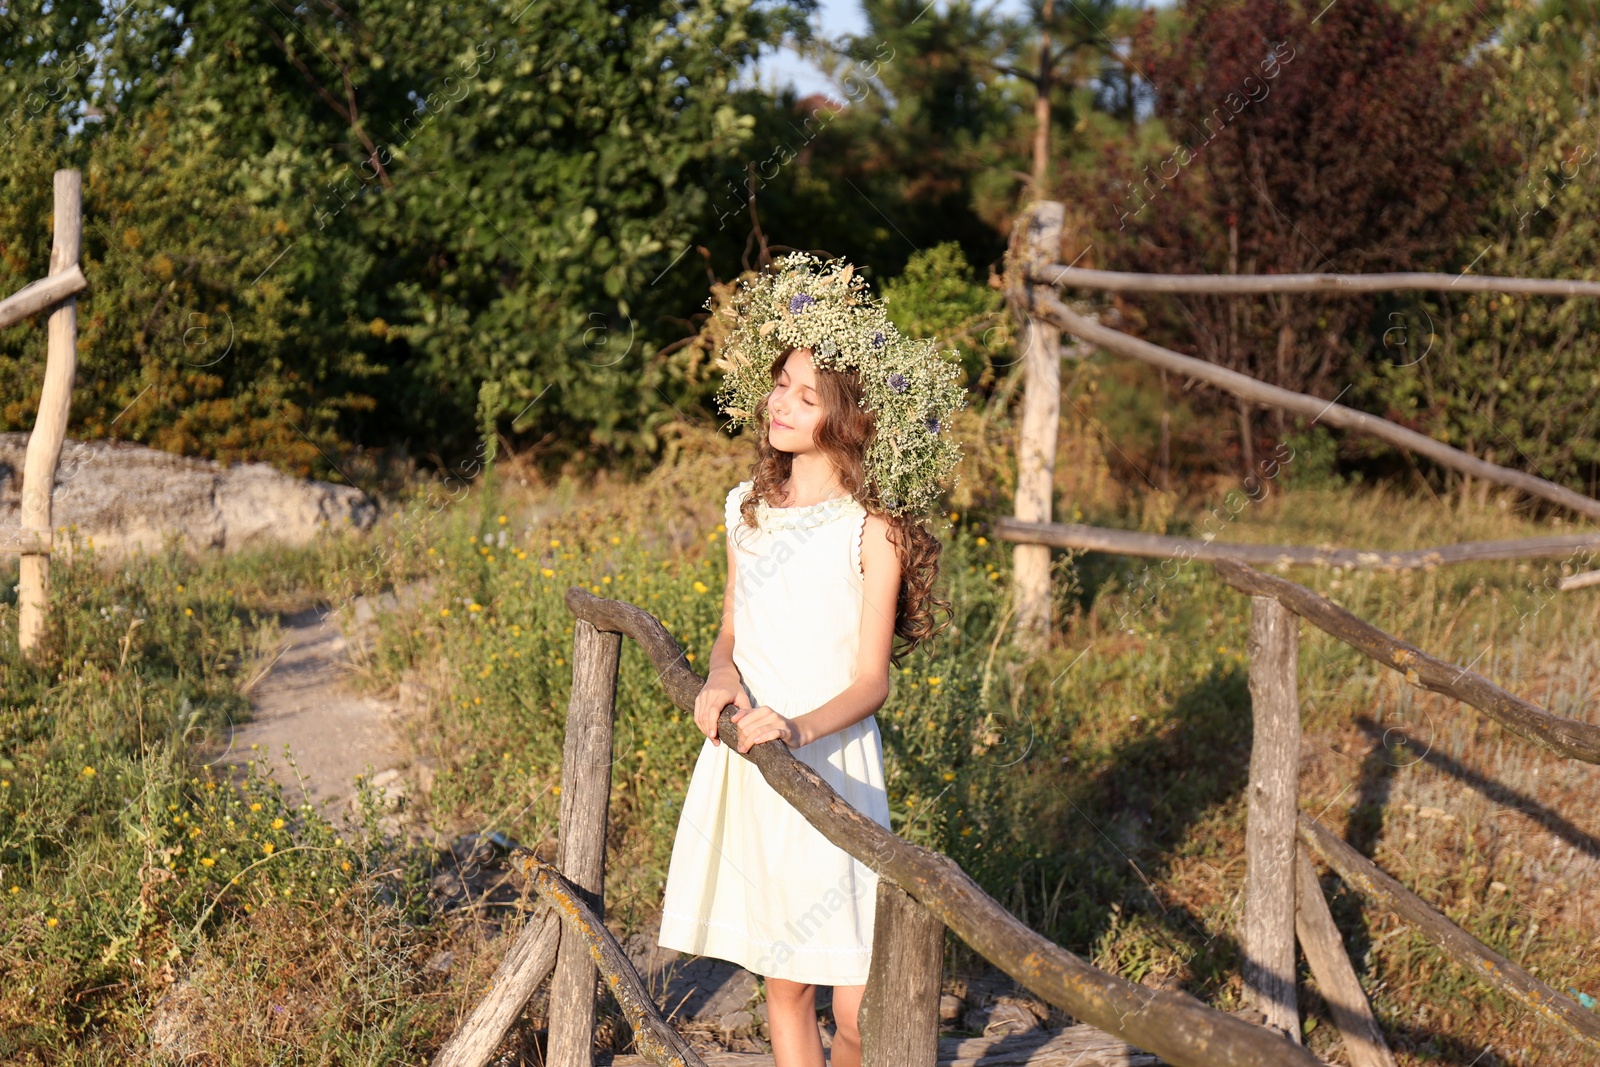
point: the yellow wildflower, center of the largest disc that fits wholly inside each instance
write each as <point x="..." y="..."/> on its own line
<point x="474" y="606"/>
<point x="50" y="921"/>
<point x="982" y="541"/>
<point x="88" y="772"/>
<point x="256" y="806"/>
<point x="277" y="824"/>
<point x="207" y="861"/>
<point x="501" y="520"/>
<point x="268" y="847"/>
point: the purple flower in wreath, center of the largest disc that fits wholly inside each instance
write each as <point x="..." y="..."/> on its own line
<point x="800" y="302"/>
<point x="899" y="382"/>
<point x="877" y="339"/>
<point x="932" y="425"/>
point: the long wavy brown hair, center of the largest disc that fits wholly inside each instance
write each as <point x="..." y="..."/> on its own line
<point x="843" y="436"/>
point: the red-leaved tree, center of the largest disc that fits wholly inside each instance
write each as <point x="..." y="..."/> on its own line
<point x="1336" y="138"/>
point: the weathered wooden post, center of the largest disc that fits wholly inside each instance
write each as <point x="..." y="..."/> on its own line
<point x="1036" y="243"/>
<point x="1330" y="966"/>
<point x="1272" y="804"/>
<point x="899" y="1016"/>
<point x="50" y="429"/>
<point x="581" y="857"/>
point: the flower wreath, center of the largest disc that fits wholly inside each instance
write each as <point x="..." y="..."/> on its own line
<point x="910" y="388"/>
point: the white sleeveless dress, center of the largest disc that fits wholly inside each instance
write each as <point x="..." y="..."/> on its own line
<point x="750" y="880"/>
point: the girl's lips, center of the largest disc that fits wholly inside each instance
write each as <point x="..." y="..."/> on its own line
<point x="781" y="424"/>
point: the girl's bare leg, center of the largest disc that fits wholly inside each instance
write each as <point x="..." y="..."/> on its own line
<point x="846" y="1049"/>
<point x="792" y="1022"/>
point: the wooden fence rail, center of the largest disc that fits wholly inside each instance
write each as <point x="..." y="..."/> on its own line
<point x="1134" y="543"/>
<point x="1173" y="1025"/>
<point x="1061" y="275"/>
<point x="1046" y="305"/>
<point x="1571" y="738"/>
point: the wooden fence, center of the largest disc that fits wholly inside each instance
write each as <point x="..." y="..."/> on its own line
<point x="921" y="893"/>
<point x="57" y="295"/>
<point x="1283" y="901"/>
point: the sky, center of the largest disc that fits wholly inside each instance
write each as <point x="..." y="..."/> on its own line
<point x="833" y="19"/>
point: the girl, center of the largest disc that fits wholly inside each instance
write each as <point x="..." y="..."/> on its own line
<point x="827" y="565"/>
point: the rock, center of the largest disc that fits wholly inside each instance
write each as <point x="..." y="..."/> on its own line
<point x="735" y="1021"/>
<point x="1008" y="1016"/>
<point x="950" y="1007"/>
<point x="125" y="497"/>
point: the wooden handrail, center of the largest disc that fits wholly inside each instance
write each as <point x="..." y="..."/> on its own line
<point x="1493" y="968"/>
<point x="1174" y="1025"/>
<point x="42" y="294"/>
<point x="1134" y="543"/>
<point x="1047" y="305"/>
<point x="1565" y="737"/>
<point x="1060" y="274"/>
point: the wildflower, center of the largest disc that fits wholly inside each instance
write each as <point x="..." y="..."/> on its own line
<point x="474" y="606"/>
<point x="50" y="921"/>
<point x="701" y="587"/>
<point x="189" y="612"/>
<point x="256" y="806"/>
<point x="473" y="539"/>
<point x="982" y="541"/>
<point x="5" y="783"/>
<point x="899" y="382"/>
<point x="935" y="680"/>
<point x="949" y="776"/>
<point x="344" y="865"/>
<point x="547" y="572"/>
<point x="277" y="824"/>
<point x="207" y="861"/>
<point x="16" y="889"/>
<point x="606" y="580"/>
<point x="444" y="613"/>
<point x="268" y="848"/>
<point x="501" y="520"/>
<point x="800" y="302"/>
<point x="88" y="772"/>
<point x="180" y="588"/>
<point x="555" y="543"/>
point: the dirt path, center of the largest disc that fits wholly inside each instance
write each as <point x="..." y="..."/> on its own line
<point x="305" y="702"/>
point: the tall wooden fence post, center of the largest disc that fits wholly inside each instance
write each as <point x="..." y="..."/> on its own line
<point x="1035" y="243"/>
<point x="1273" y="803"/>
<point x="899" y="1011"/>
<point x="581" y="855"/>
<point x="55" y="405"/>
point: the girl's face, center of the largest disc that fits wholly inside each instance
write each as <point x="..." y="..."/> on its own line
<point x="794" y="407"/>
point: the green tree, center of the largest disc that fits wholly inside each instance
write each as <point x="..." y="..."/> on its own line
<point x="1513" y="378"/>
<point x="472" y="192"/>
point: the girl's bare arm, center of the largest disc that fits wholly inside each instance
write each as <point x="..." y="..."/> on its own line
<point x="720" y="667"/>
<point x="881" y="566"/>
